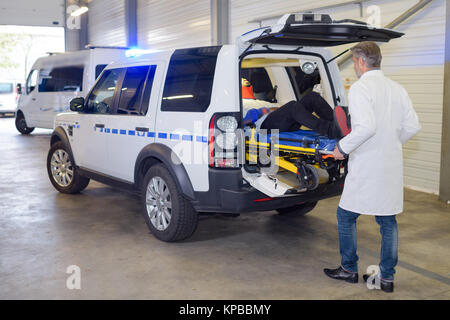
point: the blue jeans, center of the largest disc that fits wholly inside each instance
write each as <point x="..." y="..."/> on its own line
<point x="347" y="242"/>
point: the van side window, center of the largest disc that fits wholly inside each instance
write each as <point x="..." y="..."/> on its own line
<point x="32" y="81"/>
<point x="61" y="79"/>
<point x="101" y="98"/>
<point x="98" y="69"/>
<point x="132" y="91"/>
<point x="189" y="79"/>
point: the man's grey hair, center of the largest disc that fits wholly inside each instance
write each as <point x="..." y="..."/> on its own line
<point x="370" y="52"/>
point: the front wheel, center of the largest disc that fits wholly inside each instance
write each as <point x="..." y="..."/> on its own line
<point x="21" y="124"/>
<point x="298" y="210"/>
<point x="168" y="215"/>
<point x="62" y="172"/>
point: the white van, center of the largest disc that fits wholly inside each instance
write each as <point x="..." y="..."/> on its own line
<point x="167" y="125"/>
<point x="56" y="79"/>
<point x="8" y="97"/>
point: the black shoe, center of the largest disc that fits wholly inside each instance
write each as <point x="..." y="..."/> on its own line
<point x="385" y="285"/>
<point x="341" y="274"/>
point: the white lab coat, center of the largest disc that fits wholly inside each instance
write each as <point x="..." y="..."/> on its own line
<point x="382" y="119"/>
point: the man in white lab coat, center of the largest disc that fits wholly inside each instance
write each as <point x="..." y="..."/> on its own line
<point x="382" y="118"/>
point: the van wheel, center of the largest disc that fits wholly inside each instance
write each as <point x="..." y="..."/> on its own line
<point x="61" y="170"/>
<point x="298" y="210"/>
<point x="169" y="216"/>
<point x="21" y="124"/>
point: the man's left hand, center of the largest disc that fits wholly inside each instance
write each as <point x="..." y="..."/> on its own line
<point x="337" y="154"/>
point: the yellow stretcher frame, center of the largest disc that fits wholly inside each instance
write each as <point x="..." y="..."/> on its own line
<point x="280" y="161"/>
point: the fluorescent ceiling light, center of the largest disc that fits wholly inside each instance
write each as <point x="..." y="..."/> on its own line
<point x="79" y="11"/>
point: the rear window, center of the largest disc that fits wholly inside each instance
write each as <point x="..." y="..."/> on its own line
<point x="6" y="88"/>
<point x="189" y="79"/>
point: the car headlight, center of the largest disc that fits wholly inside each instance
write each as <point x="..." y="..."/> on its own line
<point x="227" y="124"/>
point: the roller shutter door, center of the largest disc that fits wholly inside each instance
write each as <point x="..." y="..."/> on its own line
<point x="106" y="21"/>
<point x="173" y="24"/>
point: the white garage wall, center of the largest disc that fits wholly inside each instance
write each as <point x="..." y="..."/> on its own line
<point x="106" y="21"/>
<point x="416" y="61"/>
<point x="172" y="24"/>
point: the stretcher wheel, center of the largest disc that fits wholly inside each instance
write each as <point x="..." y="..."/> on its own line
<point x="308" y="177"/>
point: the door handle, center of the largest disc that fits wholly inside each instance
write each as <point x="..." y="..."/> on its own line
<point x="99" y="125"/>
<point x="45" y="109"/>
<point x="141" y="129"/>
<point x="33" y="99"/>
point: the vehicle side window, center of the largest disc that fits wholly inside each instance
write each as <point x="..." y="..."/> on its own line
<point x="189" y="79"/>
<point x="98" y="69"/>
<point x="101" y="98"/>
<point x="6" y="88"/>
<point x="132" y="89"/>
<point x="147" y="90"/>
<point x="32" y="81"/>
<point x="260" y="81"/>
<point x="61" y="79"/>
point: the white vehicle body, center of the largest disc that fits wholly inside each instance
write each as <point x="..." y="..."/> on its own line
<point x="56" y="79"/>
<point x="8" y="96"/>
<point x="186" y="97"/>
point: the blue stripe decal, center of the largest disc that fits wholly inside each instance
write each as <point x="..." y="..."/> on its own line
<point x="187" y="137"/>
<point x="150" y="134"/>
<point x="201" y="139"/>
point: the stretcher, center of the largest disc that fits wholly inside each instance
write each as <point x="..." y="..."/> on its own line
<point x="300" y="152"/>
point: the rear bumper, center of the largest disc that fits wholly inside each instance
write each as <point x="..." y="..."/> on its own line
<point x="228" y="194"/>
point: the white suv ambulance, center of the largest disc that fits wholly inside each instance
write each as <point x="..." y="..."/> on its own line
<point x="168" y="124"/>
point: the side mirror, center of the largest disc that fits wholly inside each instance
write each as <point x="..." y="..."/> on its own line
<point x="19" y="88"/>
<point x="77" y="104"/>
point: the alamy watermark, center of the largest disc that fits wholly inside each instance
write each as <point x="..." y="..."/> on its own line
<point x="74" y="280"/>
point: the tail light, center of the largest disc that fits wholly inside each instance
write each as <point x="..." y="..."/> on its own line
<point x="223" y="141"/>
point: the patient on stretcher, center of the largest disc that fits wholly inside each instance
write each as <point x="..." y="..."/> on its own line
<point x="290" y="116"/>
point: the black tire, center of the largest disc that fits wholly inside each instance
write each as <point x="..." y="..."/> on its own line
<point x="21" y="124"/>
<point x="183" y="217"/>
<point x="78" y="182"/>
<point x="298" y="210"/>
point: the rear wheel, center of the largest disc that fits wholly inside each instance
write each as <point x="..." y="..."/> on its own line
<point x="168" y="215"/>
<point x="298" y="210"/>
<point x="21" y="124"/>
<point x="62" y="172"/>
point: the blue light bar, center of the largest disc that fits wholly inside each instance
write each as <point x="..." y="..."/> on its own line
<point x="135" y="52"/>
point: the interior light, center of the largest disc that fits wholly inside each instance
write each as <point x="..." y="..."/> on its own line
<point x="79" y="11"/>
<point x="308" y="67"/>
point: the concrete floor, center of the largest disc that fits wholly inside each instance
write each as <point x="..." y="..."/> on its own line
<point x="254" y="256"/>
